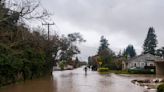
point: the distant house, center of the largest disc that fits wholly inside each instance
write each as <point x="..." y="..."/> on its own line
<point x="141" y="61"/>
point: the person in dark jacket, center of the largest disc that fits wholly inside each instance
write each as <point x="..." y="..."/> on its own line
<point x="85" y="69"/>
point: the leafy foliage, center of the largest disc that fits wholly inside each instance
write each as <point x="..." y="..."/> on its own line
<point x="105" y="54"/>
<point x="26" y="53"/>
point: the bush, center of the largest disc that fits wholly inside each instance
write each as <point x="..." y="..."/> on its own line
<point x="16" y="66"/>
<point x="141" y="71"/>
<point x="61" y="65"/>
<point x="160" y="88"/>
<point x="103" y="70"/>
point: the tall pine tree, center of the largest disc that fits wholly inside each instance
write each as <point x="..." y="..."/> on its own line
<point x="103" y="45"/>
<point x="150" y="42"/>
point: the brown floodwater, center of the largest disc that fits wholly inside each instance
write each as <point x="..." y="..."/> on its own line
<point x="77" y="81"/>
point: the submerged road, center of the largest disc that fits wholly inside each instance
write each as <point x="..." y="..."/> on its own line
<point x="77" y="81"/>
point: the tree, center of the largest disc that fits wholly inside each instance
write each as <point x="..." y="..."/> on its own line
<point x="119" y="54"/>
<point x="76" y="62"/>
<point x="160" y="52"/>
<point x="150" y="42"/>
<point x="129" y="51"/>
<point x="27" y="9"/>
<point x="29" y="54"/>
<point x="103" y="45"/>
<point x="20" y="12"/>
<point x="105" y="53"/>
<point x="8" y="19"/>
<point x="69" y="47"/>
<point x="15" y="14"/>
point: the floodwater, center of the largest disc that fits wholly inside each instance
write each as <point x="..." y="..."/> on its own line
<point x="77" y="81"/>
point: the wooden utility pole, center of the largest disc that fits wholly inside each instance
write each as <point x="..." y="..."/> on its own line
<point x="48" y="25"/>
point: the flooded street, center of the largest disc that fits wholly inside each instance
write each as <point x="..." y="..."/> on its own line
<point x="77" y="81"/>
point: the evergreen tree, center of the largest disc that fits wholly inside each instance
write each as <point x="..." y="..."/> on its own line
<point x="150" y="42"/>
<point x="103" y="45"/>
<point x="119" y="54"/>
<point x="130" y="51"/>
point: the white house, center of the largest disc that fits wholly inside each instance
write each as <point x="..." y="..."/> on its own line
<point x="141" y="61"/>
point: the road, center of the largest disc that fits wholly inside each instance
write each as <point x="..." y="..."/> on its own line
<point x="77" y="81"/>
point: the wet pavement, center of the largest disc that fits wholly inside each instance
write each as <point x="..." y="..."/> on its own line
<point x="77" y="81"/>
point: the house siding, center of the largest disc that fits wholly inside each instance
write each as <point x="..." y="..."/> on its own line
<point x="142" y="61"/>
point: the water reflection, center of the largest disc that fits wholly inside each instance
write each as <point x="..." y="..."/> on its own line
<point x="78" y="81"/>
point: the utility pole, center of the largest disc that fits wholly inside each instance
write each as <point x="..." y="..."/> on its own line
<point x="48" y="25"/>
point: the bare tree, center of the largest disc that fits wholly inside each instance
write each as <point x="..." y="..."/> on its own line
<point x="27" y="9"/>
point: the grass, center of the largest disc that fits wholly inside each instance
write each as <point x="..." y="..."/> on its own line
<point x="119" y="71"/>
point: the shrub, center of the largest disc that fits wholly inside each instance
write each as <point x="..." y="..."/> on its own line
<point x="160" y="88"/>
<point x="16" y="66"/>
<point x="103" y="70"/>
<point x="141" y="71"/>
<point x="61" y="65"/>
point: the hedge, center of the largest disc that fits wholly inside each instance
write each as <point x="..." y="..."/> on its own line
<point x="103" y="70"/>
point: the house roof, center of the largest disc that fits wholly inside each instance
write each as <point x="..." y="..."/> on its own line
<point x="148" y="57"/>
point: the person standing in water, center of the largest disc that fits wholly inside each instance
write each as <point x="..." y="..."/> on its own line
<point x="85" y="69"/>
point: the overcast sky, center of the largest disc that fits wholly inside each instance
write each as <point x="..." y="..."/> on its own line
<point x="122" y="22"/>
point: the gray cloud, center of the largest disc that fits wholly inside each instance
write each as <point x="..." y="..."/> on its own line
<point x="125" y="20"/>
